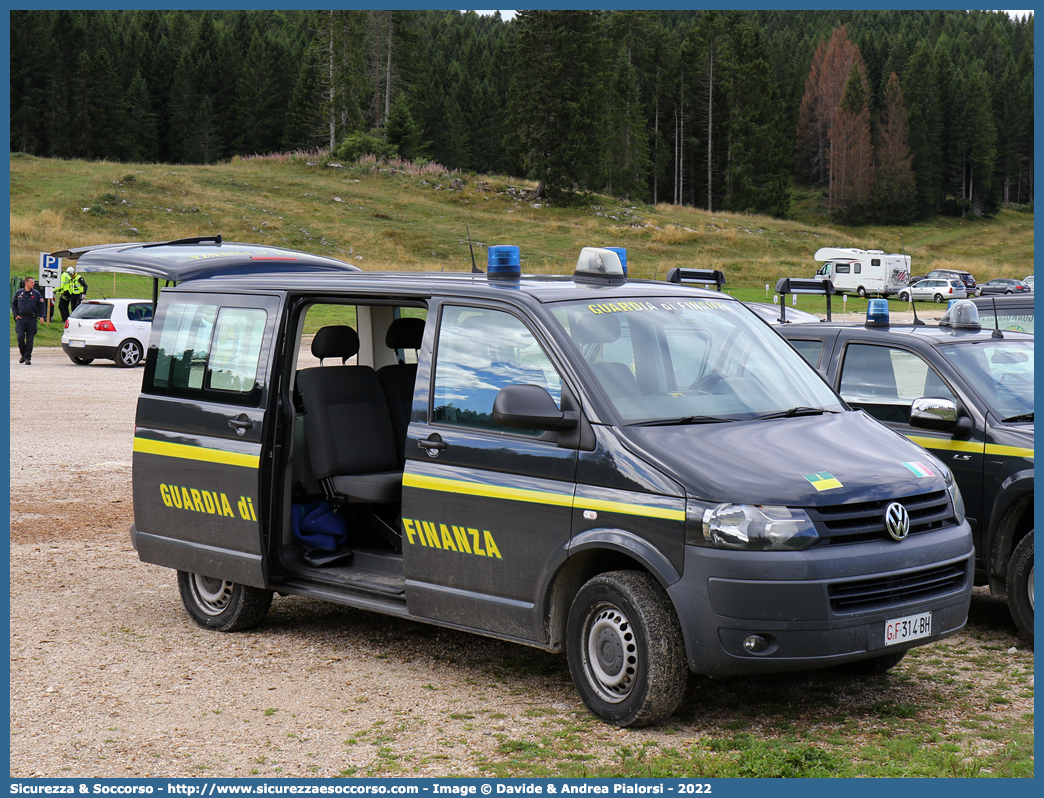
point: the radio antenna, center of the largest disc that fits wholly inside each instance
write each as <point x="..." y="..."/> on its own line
<point x="474" y="268"/>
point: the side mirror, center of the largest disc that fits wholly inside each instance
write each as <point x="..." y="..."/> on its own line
<point x="938" y="414"/>
<point x="531" y="407"/>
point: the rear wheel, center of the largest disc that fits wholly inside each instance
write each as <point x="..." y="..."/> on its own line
<point x="81" y="361"/>
<point x="625" y="648"/>
<point x="861" y="292"/>
<point x="1020" y="586"/>
<point x="938" y="297"/>
<point x="222" y="605"/>
<point x="128" y="354"/>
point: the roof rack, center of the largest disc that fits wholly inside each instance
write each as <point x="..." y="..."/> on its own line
<point x="713" y="277"/>
<point x="792" y="285"/>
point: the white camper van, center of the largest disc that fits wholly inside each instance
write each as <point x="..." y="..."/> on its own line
<point x="863" y="271"/>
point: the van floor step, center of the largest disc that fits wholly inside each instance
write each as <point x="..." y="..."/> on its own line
<point x="384" y="574"/>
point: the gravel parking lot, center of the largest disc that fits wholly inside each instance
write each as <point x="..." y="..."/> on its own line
<point x="110" y="678"/>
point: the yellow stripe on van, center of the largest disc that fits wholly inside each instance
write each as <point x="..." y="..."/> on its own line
<point x="483" y="489"/>
<point x="538" y="497"/>
<point x="946" y="444"/>
<point x="200" y="453"/>
<point x="971" y="446"/>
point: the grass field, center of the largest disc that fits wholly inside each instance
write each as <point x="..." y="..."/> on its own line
<point x="402" y="218"/>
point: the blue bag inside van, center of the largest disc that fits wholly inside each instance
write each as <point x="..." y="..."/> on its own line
<point x="317" y="526"/>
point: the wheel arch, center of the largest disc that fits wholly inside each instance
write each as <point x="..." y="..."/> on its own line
<point x="594" y="552"/>
<point x="1011" y="520"/>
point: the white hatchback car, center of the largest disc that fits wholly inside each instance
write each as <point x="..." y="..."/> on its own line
<point x="112" y="329"/>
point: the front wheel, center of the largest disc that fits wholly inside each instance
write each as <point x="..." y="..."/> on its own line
<point x="128" y="354"/>
<point x="904" y="296"/>
<point x="625" y="649"/>
<point x="81" y="361"/>
<point x="222" y="605"/>
<point x="938" y="297"/>
<point x="861" y="292"/>
<point x="1020" y="586"/>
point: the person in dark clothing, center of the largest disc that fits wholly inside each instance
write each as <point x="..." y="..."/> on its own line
<point x="26" y="306"/>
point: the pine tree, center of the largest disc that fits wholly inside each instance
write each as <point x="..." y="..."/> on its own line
<point x="556" y="106"/>
<point x="139" y="135"/>
<point x="403" y="132"/>
<point x="925" y="129"/>
<point x="757" y="178"/>
<point x="851" y="149"/>
<point x="895" y="190"/>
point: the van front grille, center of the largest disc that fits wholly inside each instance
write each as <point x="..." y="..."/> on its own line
<point x="863" y="521"/>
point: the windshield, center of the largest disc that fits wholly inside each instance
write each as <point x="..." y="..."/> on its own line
<point x="692" y="360"/>
<point x="1000" y="371"/>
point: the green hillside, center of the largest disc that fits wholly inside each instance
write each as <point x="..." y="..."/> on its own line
<point x="396" y="216"/>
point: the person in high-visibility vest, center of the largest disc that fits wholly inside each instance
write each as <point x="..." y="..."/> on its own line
<point x="77" y="288"/>
<point x="64" y="293"/>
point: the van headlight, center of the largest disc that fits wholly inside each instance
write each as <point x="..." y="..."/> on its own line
<point x="955" y="496"/>
<point x="748" y="526"/>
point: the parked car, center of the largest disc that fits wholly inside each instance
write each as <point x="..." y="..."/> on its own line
<point x="1005" y="285"/>
<point x="1006" y="311"/>
<point x="1028" y="280"/>
<point x="949" y="274"/>
<point x="967" y="397"/>
<point x="934" y="290"/>
<point x="110" y="329"/>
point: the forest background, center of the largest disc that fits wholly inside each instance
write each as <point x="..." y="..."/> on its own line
<point x="887" y="116"/>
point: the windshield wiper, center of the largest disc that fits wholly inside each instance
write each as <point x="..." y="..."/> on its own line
<point x="669" y="422"/>
<point x="1020" y="417"/>
<point x="794" y="411"/>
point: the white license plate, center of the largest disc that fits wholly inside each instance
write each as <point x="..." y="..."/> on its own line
<point x="76" y="344"/>
<point x="899" y="630"/>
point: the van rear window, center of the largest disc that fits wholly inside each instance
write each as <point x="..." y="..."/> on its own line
<point x="205" y="349"/>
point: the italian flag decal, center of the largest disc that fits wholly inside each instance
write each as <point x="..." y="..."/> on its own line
<point x="824" y="480"/>
<point x="920" y="469"/>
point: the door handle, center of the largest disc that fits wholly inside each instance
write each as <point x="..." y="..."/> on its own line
<point x="240" y="424"/>
<point x="433" y="444"/>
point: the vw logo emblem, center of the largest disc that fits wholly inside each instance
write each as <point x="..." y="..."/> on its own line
<point x="897" y="521"/>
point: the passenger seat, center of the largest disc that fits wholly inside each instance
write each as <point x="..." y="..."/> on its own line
<point x="351" y="441"/>
<point x="399" y="380"/>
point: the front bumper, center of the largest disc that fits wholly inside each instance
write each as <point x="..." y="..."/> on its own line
<point x="801" y="602"/>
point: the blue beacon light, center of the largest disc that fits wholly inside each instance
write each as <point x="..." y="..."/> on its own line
<point x="503" y="263"/>
<point x="877" y="313"/>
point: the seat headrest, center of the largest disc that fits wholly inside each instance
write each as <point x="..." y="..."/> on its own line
<point x="335" y="341"/>
<point x="405" y="334"/>
<point x="602" y="329"/>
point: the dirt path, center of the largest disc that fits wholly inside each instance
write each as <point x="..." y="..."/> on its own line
<point x="110" y="678"/>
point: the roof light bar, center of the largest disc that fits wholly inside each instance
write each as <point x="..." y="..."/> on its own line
<point x="599" y="266"/>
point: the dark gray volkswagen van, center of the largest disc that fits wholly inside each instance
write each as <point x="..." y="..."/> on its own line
<point x="641" y="474"/>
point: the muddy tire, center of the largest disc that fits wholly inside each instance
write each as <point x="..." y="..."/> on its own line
<point x="625" y="649"/>
<point x="222" y="605"/>
<point x="1020" y="586"/>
